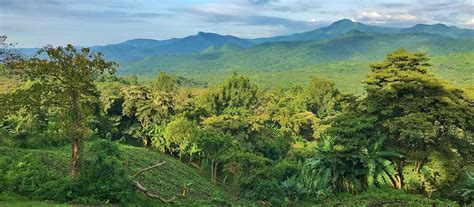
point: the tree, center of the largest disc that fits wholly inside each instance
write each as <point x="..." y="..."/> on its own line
<point x="164" y="82"/>
<point x="213" y="144"/>
<point x="180" y="135"/>
<point x="65" y="79"/>
<point x="417" y="112"/>
<point x="148" y="111"/>
<point x="323" y="97"/>
<point x="236" y="94"/>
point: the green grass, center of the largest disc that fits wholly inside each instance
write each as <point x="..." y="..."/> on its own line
<point x="167" y="180"/>
<point x="20" y="201"/>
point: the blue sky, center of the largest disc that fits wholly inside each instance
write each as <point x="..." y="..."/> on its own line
<point x="34" y="23"/>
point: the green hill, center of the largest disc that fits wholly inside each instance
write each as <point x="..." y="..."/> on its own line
<point x="167" y="180"/>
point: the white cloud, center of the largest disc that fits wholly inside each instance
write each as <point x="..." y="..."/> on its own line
<point x="374" y="16"/>
<point x="470" y="22"/>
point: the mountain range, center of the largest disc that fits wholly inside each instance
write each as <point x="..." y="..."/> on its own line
<point x="340" y="46"/>
<point x="137" y="49"/>
<point x="286" y="55"/>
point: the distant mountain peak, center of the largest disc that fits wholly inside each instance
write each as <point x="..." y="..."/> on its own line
<point x="439" y="25"/>
<point x="140" y="42"/>
<point x="344" y="22"/>
<point x="207" y="34"/>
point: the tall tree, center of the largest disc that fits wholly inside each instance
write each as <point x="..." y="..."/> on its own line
<point x="417" y="112"/>
<point x="66" y="79"/>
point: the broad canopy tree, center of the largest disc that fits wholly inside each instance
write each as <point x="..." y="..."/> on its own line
<point x="412" y="111"/>
<point x="63" y="78"/>
<point x="418" y="112"/>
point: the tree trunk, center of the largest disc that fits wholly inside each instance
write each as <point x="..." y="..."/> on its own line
<point x="399" y="179"/>
<point x="215" y="172"/>
<point x="225" y="179"/>
<point x="75" y="157"/>
<point x="419" y="164"/>
<point x="212" y="170"/>
<point x="77" y="139"/>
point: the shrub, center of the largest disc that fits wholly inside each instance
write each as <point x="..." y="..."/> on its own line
<point x="25" y="176"/>
<point x="103" y="177"/>
<point x="264" y="190"/>
<point x="293" y="189"/>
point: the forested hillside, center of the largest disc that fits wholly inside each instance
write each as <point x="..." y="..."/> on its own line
<point x="343" y="59"/>
<point x="73" y="132"/>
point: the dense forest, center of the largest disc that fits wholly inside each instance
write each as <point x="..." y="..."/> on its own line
<point x="74" y="132"/>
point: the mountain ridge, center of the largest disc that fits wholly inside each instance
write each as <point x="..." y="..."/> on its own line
<point x="139" y="48"/>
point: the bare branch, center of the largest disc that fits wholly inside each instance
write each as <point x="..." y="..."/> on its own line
<point x="144" y="190"/>
<point x="147" y="168"/>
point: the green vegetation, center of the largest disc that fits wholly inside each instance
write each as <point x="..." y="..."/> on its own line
<point x="406" y="141"/>
<point x="169" y="180"/>
<point x="344" y="60"/>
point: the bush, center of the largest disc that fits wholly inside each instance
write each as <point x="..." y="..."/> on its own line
<point x="25" y="176"/>
<point x="463" y="189"/>
<point x="293" y="189"/>
<point x="103" y="177"/>
<point x="264" y="190"/>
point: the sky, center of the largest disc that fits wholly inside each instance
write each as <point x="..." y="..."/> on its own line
<point x="35" y="23"/>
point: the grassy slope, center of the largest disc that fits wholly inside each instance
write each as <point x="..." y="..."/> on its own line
<point x="167" y="180"/>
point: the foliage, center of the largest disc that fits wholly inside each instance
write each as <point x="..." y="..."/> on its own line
<point x="104" y="176"/>
<point x="385" y="197"/>
<point x="145" y="108"/>
<point x="165" y="82"/>
<point x="179" y="136"/>
<point x="330" y="171"/>
<point x="466" y="189"/>
<point x="65" y="82"/>
<point x="293" y="189"/>
<point x="306" y="143"/>
<point x="236" y="93"/>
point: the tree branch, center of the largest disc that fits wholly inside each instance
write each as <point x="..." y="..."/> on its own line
<point x="138" y="173"/>
<point x="144" y="190"/>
